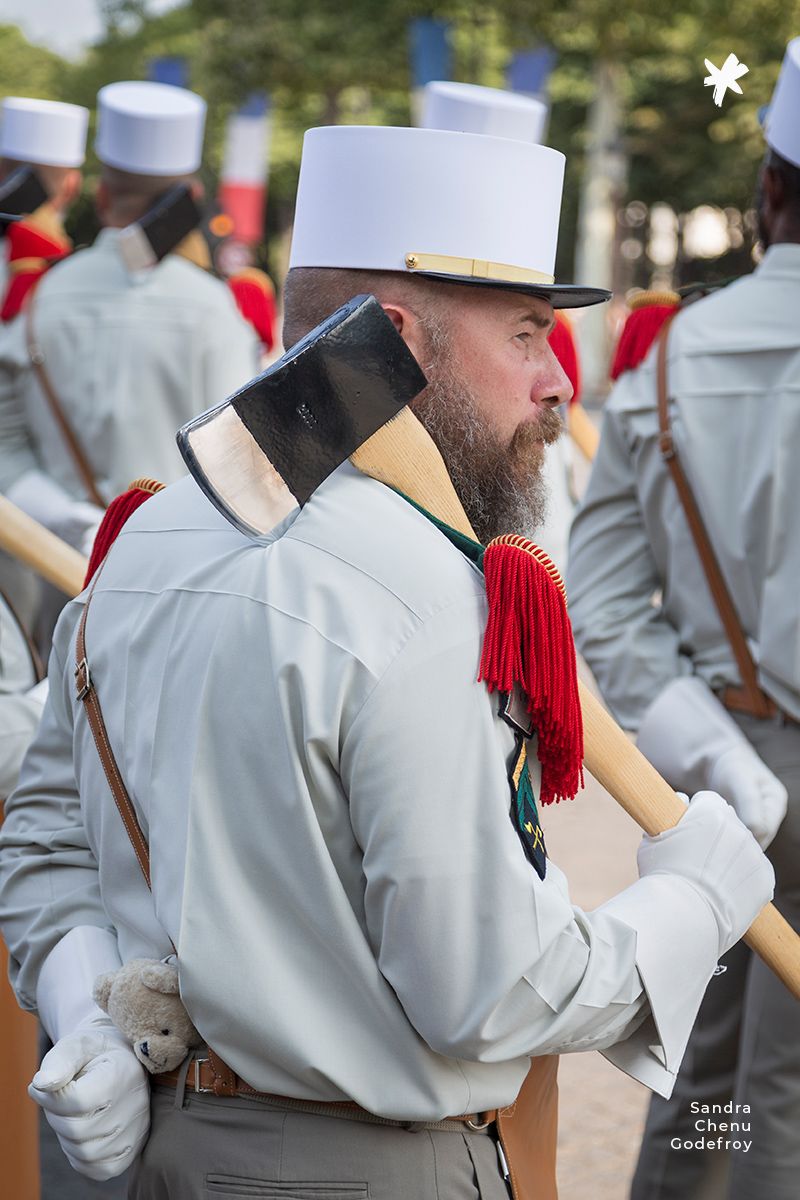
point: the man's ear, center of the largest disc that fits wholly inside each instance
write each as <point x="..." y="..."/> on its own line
<point x="410" y="328"/>
<point x="773" y="190"/>
<point x="102" y="201"/>
<point x="68" y="190"/>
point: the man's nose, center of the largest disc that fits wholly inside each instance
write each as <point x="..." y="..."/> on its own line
<point x="552" y="386"/>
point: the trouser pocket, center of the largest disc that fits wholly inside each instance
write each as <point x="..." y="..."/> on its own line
<point x="265" y="1189"/>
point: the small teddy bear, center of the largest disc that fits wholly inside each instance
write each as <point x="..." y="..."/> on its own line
<point x="143" y="1000"/>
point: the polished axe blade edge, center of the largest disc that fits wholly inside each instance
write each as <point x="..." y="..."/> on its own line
<point x="269" y="446"/>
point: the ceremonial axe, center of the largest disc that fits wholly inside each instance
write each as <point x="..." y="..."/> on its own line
<point x="343" y="391"/>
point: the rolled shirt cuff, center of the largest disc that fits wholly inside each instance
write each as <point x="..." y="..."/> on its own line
<point x="677" y="947"/>
<point x="64" y="989"/>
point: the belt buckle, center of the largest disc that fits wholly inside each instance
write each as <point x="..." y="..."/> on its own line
<point x="198" y="1062"/>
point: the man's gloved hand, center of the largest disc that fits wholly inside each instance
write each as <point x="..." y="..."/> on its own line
<point x="96" y="1097"/>
<point x="695" y="744"/>
<point x="93" y="1089"/>
<point x="758" y="796"/>
<point x="713" y="851"/>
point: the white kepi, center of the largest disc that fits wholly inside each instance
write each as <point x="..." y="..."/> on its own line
<point x="44" y="132"/>
<point x="470" y="108"/>
<point x="782" y="119"/>
<point x="150" y="128"/>
<point x="461" y="207"/>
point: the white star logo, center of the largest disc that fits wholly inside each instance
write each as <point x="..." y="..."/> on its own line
<point x="724" y="77"/>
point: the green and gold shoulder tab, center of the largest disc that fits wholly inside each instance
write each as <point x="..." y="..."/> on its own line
<point x="524" y="813"/>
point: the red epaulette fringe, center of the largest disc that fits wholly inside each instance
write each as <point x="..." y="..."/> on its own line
<point x="117" y="513"/>
<point x="528" y="641"/>
<point x="639" y="332"/>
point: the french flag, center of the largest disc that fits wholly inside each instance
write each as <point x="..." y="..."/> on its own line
<point x="245" y="169"/>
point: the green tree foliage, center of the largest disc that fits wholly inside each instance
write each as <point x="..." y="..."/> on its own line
<point x="347" y="61"/>
<point x="27" y="70"/>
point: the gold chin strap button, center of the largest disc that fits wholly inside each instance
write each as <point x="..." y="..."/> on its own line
<point x="411" y="261"/>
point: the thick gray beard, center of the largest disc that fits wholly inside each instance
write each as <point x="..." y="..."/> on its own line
<point x="501" y="486"/>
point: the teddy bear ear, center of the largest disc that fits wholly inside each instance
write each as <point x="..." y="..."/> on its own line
<point x="102" y="989"/>
<point x="160" y="977"/>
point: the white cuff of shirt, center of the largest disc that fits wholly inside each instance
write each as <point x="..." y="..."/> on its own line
<point x="64" y="997"/>
<point x="677" y="944"/>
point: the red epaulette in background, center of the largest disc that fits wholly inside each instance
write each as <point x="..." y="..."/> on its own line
<point x="255" y="298"/>
<point x="562" y="343"/>
<point x="31" y="251"/>
<point x="117" y="513"/>
<point x="649" y="311"/>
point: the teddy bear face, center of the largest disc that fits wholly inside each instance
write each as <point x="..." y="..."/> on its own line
<point x="163" y="1041"/>
<point x="143" y="1000"/>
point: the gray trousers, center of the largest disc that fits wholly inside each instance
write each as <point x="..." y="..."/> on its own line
<point x="745" y="1048"/>
<point x="204" y="1148"/>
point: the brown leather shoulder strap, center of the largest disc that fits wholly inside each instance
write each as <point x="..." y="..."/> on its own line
<point x="226" y="1081"/>
<point x="761" y="704"/>
<point x="85" y="691"/>
<point x="79" y="459"/>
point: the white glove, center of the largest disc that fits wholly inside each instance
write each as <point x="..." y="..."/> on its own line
<point x="713" y="851"/>
<point x="39" y="691"/>
<point x="92" y="1088"/>
<point x="695" y="744"/>
<point x="96" y="1098"/>
<point x="49" y="504"/>
<point x="86" y="543"/>
<point x="758" y="796"/>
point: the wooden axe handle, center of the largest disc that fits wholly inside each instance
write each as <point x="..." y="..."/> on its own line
<point x="583" y="431"/>
<point x="402" y="455"/>
<point x="34" y="545"/>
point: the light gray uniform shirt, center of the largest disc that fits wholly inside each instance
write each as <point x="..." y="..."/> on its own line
<point x="325" y="789"/>
<point x="131" y="359"/>
<point x="19" y="711"/>
<point x="734" y="373"/>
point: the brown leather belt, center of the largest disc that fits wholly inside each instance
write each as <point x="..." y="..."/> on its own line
<point x="201" y="1077"/>
<point x="737" y="699"/>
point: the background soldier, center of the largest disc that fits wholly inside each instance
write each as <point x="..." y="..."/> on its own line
<point x="644" y="617"/>
<point x="49" y="138"/>
<point x="127" y="357"/>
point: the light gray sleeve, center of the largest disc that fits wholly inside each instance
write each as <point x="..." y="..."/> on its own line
<point x="20" y="709"/>
<point x="489" y="961"/>
<point x="613" y="582"/>
<point x="48" y="874"/>
<point x="17" y="453"/>
<point x="19" y="717"/>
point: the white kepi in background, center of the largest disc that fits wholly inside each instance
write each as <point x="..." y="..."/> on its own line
<point x="781" y="120"/>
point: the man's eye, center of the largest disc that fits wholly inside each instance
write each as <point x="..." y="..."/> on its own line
<point x="524" y="337"/>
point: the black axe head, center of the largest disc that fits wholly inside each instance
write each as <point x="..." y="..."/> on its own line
<point x="21" y="192"/>
<point x="269" y="446"/>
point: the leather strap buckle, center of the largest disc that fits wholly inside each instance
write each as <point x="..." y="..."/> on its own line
<point x="666" y="445"/>
<point x="83" y="680"/>
<point x="479" y="1125"/>
<point x="198" y="1087"/>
